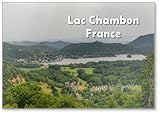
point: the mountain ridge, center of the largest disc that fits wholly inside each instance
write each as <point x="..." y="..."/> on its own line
<point x="57" y="44"/>
<point x="141" y="45"/>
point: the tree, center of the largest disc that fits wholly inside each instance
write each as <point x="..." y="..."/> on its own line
<point x="96" y="81"/>
<point x="147" y="81"/>
<point x="21" y="94"/>
<point x="67" y="101"/>
<point x="82" y="74"/>
<point x="55" y="67"/>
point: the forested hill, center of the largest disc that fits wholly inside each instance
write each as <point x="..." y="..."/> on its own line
<point x="143" y="44"/>
<point x="96" y="49"/>
<point x="11" y="75"/>
<point x="46" y="51"/>
<point x="57" y="44"/>
<point x="12" y="52"/>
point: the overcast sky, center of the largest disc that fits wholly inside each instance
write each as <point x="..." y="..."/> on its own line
<point x="48" y="21"/>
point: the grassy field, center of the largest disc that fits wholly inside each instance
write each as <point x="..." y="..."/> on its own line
<point x="88" y="70"/>
<point x="29" y="69"/>
<point x="74" y="71"/>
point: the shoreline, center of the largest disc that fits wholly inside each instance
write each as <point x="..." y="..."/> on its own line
<point x="122" y="57"/>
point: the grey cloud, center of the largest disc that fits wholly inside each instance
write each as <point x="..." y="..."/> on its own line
<point x="48" y="21"/>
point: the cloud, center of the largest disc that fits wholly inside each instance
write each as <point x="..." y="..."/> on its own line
<point x="48" y="21"/>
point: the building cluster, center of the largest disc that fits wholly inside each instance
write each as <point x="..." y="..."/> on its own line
<point x="101" y="88"/>
<point x="43" y="59"/>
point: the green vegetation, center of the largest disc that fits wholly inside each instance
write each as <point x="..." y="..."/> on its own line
<point x="26" y="54"/>
<point x="29" y="95"/>
<point x="46" y="88"/>
<point x="39" y="52"/>
<point x="117" y="84"/>
<point x="73" y="71"/>
<point x="95" y="49"/>
<point x="144" y="44"/>
<point x="147" y="81"/>
<point x="134" y="87"/>
<point x="27" y="83"/>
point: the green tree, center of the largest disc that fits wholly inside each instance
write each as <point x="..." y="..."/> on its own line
<point x="96" y="81"/>
<point x="21" y="94"/>
<point x="147" y="81"/>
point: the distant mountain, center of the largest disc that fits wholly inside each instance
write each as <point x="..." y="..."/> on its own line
<point x="25" y="43"/>
<point x="96" y="49"/>
<point x="143" y="44"/>
<point x="57" y="44"/>
<point x="39" y="50"/>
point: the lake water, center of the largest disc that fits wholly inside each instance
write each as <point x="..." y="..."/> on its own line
<point x="122" y="57"/>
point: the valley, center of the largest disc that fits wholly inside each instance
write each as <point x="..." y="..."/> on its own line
<point x="78" y="75"/>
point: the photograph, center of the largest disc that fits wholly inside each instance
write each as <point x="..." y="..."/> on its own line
<point x="78" y="55"/>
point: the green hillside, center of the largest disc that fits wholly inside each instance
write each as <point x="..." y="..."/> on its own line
<point x="144" y="44"/>
<point x="96" y="49"/>
<point x="12" y="52"/>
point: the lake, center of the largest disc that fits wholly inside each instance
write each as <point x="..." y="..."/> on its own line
<point x="122" y="57"/>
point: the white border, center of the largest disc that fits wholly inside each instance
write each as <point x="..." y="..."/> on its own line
<point x="93" y="111"/>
